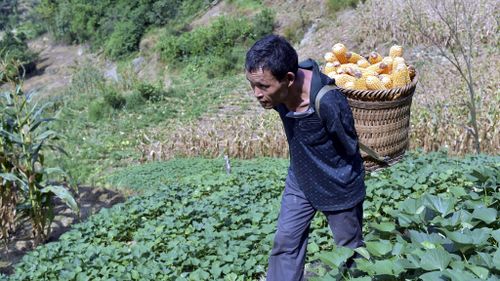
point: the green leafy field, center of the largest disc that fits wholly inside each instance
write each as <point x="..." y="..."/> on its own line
<point x="427" y="217"/>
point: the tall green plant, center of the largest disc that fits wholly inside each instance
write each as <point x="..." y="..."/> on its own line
<point x="27" y="183"/>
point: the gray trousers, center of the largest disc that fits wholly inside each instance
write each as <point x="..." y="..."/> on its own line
<point x="286" y="262"/>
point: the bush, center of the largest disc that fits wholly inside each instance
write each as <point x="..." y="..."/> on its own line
<point x="99" y="109"/>
<point x="150" y="92"/>
<point x="134" y="100"/>
<point x="215" y="49"/>
<point x="114" y="99"/>
<point x="124" y="39"/>
<point x="13" y="47"/>
<point x="115" y="25"/>
<point x="337" y="5"/>
<point x="264" y="23"/>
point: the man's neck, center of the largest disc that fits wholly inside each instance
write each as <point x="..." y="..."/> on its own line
<point x="299" y="92"/>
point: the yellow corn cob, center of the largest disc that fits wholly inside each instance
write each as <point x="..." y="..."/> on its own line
<point x="348" y="66"/>
<point x="360" y="82"/>
<point x="396" y="61"/>
<point x="396" y="51"/>
<point x="373" y="83"/>
<point x="367" y="72"/>
<point x="374" y="58"/>
<point x="353" y="57"/>
<point x="349" y="85"/>
<point x="386" y="80"/>
<point x="329" y="67"/>
<point x="332" y="74"/>
<point x="379" y="67"/>
<point x="330" y="57"/>
<point x="363" y="63"/>
<point x="342" y="79"/>
<point x="387" y="61"/>
<point x="400" y="76"/>
<point x="340" y="51"/>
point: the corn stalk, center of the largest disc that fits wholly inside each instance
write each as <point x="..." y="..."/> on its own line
<point x="25" y="137"/>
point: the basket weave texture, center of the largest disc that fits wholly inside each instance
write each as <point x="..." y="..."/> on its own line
<point x="382" y="121"/>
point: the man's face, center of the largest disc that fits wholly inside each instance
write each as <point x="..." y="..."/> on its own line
<point x="266" y="88"/>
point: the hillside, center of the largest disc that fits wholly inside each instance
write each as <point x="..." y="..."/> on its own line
<point x="180" y="92"/>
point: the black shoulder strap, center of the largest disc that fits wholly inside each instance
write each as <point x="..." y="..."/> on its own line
<point x="325" y="89"/>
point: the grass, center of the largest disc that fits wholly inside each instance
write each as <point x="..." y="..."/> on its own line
<point x="100" y="138"/>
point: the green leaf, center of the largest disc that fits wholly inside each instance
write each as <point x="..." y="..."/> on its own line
<point x="488" y="215"/>
<point x="45" y="135"/>
<point x="434" y="259"/>
<point x="482" y="259"/>
<point x="363" y="252"/>
<point x="384" y="226"/>
<point x="459" y="275"/>
<point x="378" y="248"/>
<point x="442" y="205"/>
<point x="380" y="267"/>
<point x="13" y="178"/>
<point x="421" y="237"/>
<point x="63" y="194"/>
<point x="313" y="248"/>
<point x="459" y="237"/>
<point x="481" y="272"/>
<point x="496" y="234"/>
<point x="432" y="276"/>
<point x="337" y="257"/>
<point x="496" y="259"/>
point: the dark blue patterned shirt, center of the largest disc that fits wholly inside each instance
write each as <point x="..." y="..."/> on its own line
<point x="324" y="155"/>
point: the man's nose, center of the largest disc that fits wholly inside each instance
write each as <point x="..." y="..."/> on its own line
<point x="257" y="93"/>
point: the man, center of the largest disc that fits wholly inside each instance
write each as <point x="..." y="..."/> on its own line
<point x="326" y="171"/>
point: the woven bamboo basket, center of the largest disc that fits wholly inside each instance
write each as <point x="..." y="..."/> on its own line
<point x="382" y="121"/>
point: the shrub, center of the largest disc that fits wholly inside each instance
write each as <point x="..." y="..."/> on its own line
<point x="337" y="5"/>
<point x="134" y="100"/>
<point x="263" y="23"/>
<point x="13" y="47"/>
<point x="215" y="49"/>
<point x="150" y="92"/>
<point x="115" y="25"/>
<point x="124" y="39"/>
<point x="98" y="109"/>
<point x="114" y="99"/>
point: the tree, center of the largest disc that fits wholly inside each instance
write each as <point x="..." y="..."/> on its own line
<point x="454" y="27"/>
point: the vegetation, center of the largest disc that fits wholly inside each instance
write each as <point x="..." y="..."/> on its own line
<point x="27" y="182"/>
<point x="13" y="47"/>
<point x="115" y="25"/>
<point x="218" y="49"/>
<point x="425" y="217"/>
<point x="430" y="217"/>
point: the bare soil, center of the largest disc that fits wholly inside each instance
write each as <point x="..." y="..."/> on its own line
<point x="91" y="200"/>
<point x="55" y="66"/>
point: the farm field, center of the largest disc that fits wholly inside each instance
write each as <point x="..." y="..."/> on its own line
<point x="429" y="217"/>
<point x="113" y="148"/>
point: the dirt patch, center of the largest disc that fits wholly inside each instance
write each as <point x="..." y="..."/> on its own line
<point x="91" y="201"/>
<point x="55" y="66"/>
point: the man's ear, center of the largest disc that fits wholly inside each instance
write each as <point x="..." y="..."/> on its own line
<point x="290" y="78"/>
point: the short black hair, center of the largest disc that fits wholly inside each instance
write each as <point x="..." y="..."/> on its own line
<point x="272" y="53"/>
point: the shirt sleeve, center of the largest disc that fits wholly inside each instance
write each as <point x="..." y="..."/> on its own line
<point x="339" y="122"/>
